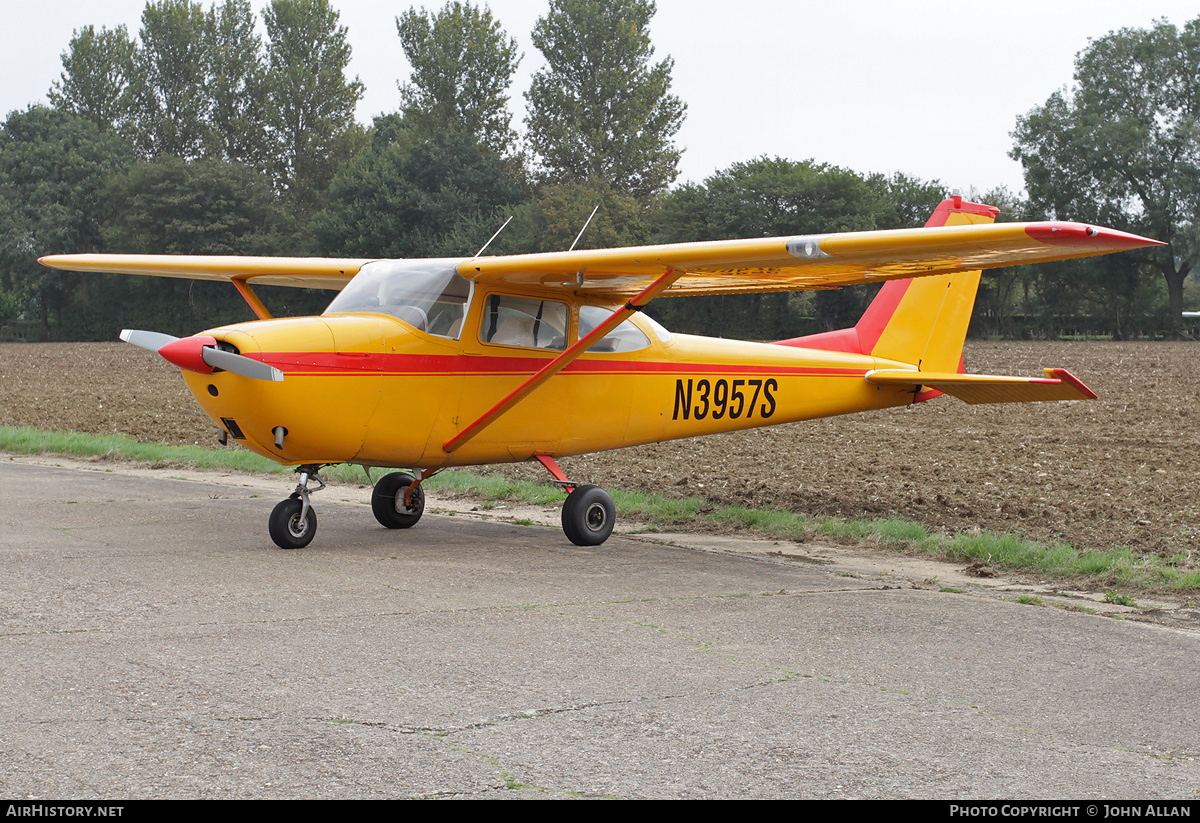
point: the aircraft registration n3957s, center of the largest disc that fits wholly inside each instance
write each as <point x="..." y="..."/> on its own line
<point x="421" y="365"/>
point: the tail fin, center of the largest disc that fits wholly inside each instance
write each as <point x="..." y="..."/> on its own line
<point x="922" y="321"/>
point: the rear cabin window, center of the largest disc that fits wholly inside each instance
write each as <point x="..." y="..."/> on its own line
<point x="625" y="337"/>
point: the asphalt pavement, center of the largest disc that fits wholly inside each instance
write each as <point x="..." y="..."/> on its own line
<point x="156" y="644"/>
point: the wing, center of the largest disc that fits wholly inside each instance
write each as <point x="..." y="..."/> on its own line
<point x="805" y="262"/>
<point x="299" y="272"/>
<point x="798" y="263"/>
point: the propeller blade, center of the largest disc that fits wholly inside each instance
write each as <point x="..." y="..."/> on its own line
<point x="239" y="364"/>
<point x="150" y="340"/>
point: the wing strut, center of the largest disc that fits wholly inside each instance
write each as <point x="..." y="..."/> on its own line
<point x="563" y="360"/>
<point x="247" y="293"/>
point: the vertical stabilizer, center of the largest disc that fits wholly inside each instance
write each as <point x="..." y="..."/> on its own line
<point x="921" y="321"/>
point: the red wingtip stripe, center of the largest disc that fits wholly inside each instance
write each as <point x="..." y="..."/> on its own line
<point x="1078" y="234"/>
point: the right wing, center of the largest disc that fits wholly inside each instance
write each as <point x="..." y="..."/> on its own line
<point x="299" y="272"/>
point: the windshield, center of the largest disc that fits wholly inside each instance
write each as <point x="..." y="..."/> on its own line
<point x="426" y="294"/>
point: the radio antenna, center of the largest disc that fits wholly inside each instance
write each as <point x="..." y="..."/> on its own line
<point x="493" y="237"/>
<point x="585" y="225"/>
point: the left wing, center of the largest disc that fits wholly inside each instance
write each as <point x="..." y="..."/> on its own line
<point x="804" y="262"/>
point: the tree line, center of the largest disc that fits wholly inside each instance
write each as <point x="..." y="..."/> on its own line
<point x="199" y="136"/>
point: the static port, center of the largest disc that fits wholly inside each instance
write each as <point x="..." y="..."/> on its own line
<point x="212" y="389"/>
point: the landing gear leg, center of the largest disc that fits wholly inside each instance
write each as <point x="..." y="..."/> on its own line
<point x="588" y="514"/>
<point x="293" y="522"/>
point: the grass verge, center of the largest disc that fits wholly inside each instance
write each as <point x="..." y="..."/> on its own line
<point x="1112" y="568"/>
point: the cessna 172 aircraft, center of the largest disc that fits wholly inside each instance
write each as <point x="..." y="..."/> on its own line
<point x="427" y="364"/>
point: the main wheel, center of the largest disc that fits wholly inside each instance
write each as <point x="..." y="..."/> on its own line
<point x="387" y="501"/>
<point x="287" y="529"/>
<point x="588" y="516"/>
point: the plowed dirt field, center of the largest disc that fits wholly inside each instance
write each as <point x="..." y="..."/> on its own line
<point x="1118" y="471"/>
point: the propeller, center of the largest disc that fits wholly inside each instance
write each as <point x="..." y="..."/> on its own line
<point x="199" y="353"/>
<point x="151" y="340"/>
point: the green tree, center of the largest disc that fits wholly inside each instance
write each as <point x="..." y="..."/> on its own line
<point x="171" y="206"/>
<point x="906" y="202"/>
<point x="407" y="197"/>
<point x="97" y="68"/>
<point x="172" y="106"/>
<point x="601" y="111"/>
<point x="462" y="65"/>
<point x="54" y="166"/>
<point x="237" y="86"/>
<point x="1122" y="148"/>
<point x="559" y="212"/>
<point x="311" y="103"/>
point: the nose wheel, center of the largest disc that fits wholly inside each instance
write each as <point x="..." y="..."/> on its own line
<point x="293" y="522"/>
<point x="292" y="527"/>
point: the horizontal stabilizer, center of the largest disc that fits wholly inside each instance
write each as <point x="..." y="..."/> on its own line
<point x="1058" y="384"/>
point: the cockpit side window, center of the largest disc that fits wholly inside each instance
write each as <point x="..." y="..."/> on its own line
<point x="426" y="294"/>
<point x="524" y="321"/>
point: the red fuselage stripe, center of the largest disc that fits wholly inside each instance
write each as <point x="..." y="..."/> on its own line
<point x="328" y="363"/>
<point x="393" y="365"/>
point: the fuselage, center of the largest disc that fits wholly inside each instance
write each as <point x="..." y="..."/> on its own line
<point x="388" y="386"/>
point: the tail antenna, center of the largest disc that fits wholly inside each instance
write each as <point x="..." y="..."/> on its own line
<point x="493" y="237"/>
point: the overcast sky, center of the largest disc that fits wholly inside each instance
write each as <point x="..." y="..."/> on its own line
<point x="926" y="87"/>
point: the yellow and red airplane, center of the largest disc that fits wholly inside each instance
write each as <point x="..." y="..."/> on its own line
<point x="427" y="364"/>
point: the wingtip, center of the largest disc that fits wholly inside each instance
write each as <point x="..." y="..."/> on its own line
<point x="1083" y="235"/>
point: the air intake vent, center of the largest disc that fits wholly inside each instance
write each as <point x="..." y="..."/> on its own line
<point x="234" y="428"/>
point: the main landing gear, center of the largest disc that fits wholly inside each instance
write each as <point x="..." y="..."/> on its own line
<point x="398" y="501"/>
<point x="588" y="514"/>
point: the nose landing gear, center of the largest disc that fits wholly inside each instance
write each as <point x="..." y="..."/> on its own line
<point x="293" y="522"/>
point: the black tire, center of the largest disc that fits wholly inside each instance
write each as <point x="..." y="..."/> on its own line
<point x="287" y="529"/>
<point x="387" y="501"/>
<point x="588" y="516"/>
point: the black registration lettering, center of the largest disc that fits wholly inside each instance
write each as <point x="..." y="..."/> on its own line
<point x="737" y="395"/>
<point x="723" y="397"/>
<point x="768" y="408"/>
<point x="702" y="387"/>
<point x="720" y="398"/>
<point x="683" y="402"/>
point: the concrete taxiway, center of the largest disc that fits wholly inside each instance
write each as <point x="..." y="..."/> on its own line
<point x="156" y="644"/>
